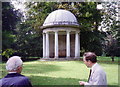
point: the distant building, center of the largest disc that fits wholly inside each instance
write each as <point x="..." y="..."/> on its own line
<point x="61" y="35"/>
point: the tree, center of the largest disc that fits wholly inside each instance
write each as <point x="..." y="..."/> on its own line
<point x="9" y="21"/>
<point x="111" y="26"/>
<point x="9" y="17"/>
<point x="38" y="11"/>
<point x="89" y="18"/>
<point x="29" y="42"/>
<point x="29" y="34"/>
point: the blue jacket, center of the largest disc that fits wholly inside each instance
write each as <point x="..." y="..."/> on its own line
<point x="15" y="80"/>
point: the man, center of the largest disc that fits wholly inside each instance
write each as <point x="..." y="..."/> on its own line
<point x="14" y="78"/>
<point x="97" y="75"/>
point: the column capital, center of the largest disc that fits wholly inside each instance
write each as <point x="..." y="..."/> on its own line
<point x="68" y="31"/>
<point x="56" y="31"/>
<point x="77" y="31"/>
<point x="47" y="32"/>
<point x="43" y="33"/>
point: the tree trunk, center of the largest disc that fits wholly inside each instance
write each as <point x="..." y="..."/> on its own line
<point x="112" y="57"/>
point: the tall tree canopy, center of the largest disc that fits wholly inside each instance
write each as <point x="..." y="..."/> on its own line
<point x="9" y="20"/>
<point x="9" y="16"/>
<point x="29" y="37"/>
<point x="112" y="28"/>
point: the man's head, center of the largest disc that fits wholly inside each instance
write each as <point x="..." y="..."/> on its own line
<point x="89" y="58"/>
<point x="14" y="64"/>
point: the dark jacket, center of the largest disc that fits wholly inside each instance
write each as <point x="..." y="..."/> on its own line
<point x="15" y="80"/>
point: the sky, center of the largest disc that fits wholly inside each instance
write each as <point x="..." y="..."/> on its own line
<point x="19" y="5"/>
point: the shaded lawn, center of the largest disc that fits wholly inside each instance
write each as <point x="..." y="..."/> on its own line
<point x="65" y="72"/>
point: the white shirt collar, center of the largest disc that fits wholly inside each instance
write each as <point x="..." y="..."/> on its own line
<point x="93" y="66"/>
<point x="12" y="72"/>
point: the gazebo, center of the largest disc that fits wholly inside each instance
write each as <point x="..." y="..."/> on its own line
<point x="61" y="35"/>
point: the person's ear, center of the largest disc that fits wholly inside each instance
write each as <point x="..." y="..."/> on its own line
<point x="89" y="62"/>
<point x="19" y="69"/>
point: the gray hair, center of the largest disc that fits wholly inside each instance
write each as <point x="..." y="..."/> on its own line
<point x="13" y="63"/>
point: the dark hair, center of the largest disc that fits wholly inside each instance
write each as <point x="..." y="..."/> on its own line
<point x="90" y="56"/>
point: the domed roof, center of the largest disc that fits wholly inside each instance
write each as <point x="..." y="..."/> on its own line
<point x="60" y="17"/>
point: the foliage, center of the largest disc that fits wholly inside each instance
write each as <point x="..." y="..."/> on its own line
<point x="9" y="16"/>
<point x="29" y="34"/>
<point x="7" y="39"/>
<point x="28" y="41"/>
<point x="9" y="20"/>
<point x="38" y="11"/>
<point x="111" y="26"/>
<point x="8" y="52"/>
<point x="91" y="41"/>
<point x="89" y="19"/>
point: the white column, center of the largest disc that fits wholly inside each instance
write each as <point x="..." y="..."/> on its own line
<point x="77" y="45"/>
<point x="47" y="45"/>
<point x="68" y="44"/>
<point x="56" y="44"/>
<point x="44" y="46"/>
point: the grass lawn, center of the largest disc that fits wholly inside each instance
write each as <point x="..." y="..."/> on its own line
<point x="65" y="72"/>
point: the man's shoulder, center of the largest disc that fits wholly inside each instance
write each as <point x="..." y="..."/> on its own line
<point x="21" y="77"/>
<point x="16" y="80"/>
<point x="99" y="69"/>
<point x="15" y="77"/>
<point x="22" y="80"/>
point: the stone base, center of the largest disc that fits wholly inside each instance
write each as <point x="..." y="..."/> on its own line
<point x="59" y="59"/>
<point x="76" y="57"/>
